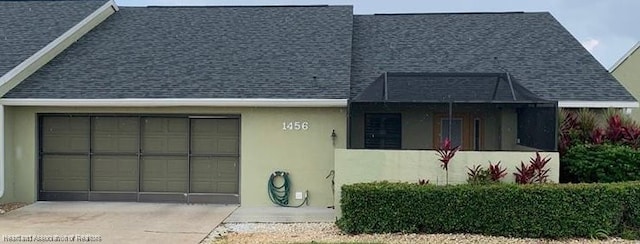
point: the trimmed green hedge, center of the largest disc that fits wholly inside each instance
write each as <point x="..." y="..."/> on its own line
<point x="602" y="163"/>
<point x="537" y="211"/>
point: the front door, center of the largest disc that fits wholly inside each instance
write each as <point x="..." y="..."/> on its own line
<point x="462" y="130"/>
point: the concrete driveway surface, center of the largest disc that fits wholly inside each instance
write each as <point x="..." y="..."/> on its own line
<point x="110" y="222"/>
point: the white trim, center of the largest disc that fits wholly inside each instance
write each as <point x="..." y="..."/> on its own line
<point x="625" y="57"/>
<point x="597" y="104"/>
<point x="114" y="6"/>
<point x="52" y="46"/>
<point x="171" y="102"/>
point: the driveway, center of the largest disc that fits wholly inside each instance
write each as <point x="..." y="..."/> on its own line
<point x="115" y="222"/>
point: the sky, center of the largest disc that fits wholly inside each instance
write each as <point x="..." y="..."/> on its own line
<point x="607" y="28"/>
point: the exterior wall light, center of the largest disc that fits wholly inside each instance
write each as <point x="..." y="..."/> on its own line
<point x="333" y="136"/>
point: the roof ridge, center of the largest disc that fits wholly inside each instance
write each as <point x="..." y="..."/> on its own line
<point x="447" y="13"/>
<point x="241" y="6"/>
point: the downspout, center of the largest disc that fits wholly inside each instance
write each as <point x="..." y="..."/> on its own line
<point x="556" y="126"/>
<point x="450" y="117"/>
<point x="1" y="150"/>
<point x="348" y="146"/>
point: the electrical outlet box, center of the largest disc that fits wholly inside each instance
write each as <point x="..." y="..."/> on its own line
<point x="298" y="195"/>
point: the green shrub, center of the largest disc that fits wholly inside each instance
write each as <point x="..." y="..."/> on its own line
<point x="588" y="129"/>
<point x="602" y="163"/>
<point x="537" y="211"/>
<point x="478" y="175"/>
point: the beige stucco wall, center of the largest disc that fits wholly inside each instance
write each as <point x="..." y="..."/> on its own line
<point x="411" y="165"/>
<point x="499" y="125"/>
<point x="265" y="147"/>
<point x="628" y="73"/>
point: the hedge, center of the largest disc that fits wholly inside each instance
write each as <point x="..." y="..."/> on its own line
<point x="601" y="163"/>
<point x="535" y="211"/>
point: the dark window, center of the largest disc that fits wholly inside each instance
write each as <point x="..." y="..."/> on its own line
<point x="383" y="131"/>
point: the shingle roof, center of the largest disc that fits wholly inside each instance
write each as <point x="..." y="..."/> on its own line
<point x="204" y="52"/>
<point x="28" y="26"/>
<point x="312" y="52"/>
<point x="538" y="52"/>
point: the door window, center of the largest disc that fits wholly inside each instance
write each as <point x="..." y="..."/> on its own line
<point x="453" y="130"/>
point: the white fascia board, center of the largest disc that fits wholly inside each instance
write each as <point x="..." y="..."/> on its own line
<point x="172" y="102"/>
<point x="625" y="57"/>
<point x="55" y="45"/>
<point x="597" y="104"/>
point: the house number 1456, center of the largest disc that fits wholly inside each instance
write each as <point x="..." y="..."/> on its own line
<point x="295" y="125"/>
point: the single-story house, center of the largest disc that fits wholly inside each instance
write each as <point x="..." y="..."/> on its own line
<point x="627" y="71"/>
<point x="203" y="104"/>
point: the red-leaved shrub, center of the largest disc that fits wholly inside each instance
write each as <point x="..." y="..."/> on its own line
<point x="496" y="172"/>
<point x="446" y="153"/>
<point x="535" y="172"/>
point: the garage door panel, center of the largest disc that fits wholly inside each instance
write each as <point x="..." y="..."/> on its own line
<point x="214" y="187"/>
<point x="202" y="144"/>
<point x="65" y="134"/>
<point x="115" y="134"/>
<point x="203" y="126"/>
<point x="115" y="173"/>
<point x="215" y="145"/>
<point x="227" y="145"/>
<point x="65" y="173"/>
<point x="227" y="166"/>
<point x="121" y="144"/>
<point x="228" y="187"/>
<point x="165" y="144"/>
<point x="164" y="174"/>
<point x="66" y="143"/>
<point x="215" y="136"/>
<point x="205" y="166"/>
<point x="229" y="127"/>
<point x="177" y="125"/>
<point x="201" y="186"/>
<point x="165" y="135"/>
<point x="202" y="137"/>
<point x="153" y="125"/>
<point x="214" y="174"/>
<point x="115" y="124"/>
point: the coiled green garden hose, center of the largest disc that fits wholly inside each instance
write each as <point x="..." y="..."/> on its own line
<point x="280" y="194"/>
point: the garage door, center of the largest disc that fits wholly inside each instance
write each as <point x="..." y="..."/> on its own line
<point x="139" y="158"/>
